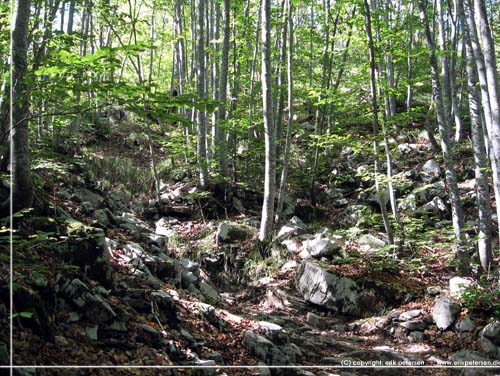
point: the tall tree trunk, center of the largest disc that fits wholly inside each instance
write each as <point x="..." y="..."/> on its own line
<point x="444" y="132"/>
<point x="409" y="65"/>
<point x="488" y="108"/>
<point x="482" y="188"/>
<point x="266" y="224"/>
<point x="22" y="194"/>
<point x="221" y="114"/>
<point x="288" y="142"/>
<point x="201" y="91"/>
<point x="374" y="103"/>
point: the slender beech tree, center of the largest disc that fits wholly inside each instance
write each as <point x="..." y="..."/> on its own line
<point x="479" y="149"/>
<point x="491" y="120"/>
<point x="288" y="141"/>
<point x="266" y="224"/>
<point x="444" y="132"/>
<point x="22" y="190"/>
<point x="220" y="134"/>
<point x="374" y="104"/>
<point x="201" y="149"/>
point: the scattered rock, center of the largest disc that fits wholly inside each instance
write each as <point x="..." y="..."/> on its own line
<point x="434" y="290"/>
<point x="489" y="348"/>
<point x="230" y="232"/>
<point x="316" y="321"/>
<point x="208" y="291"/>
<point x="431" y="170"/>
<point x="91" y="332"/>
<point x="416" y="336"/>
<point x="84" y="195"/>
<point x="418" y="325"/>
<point x="319" y="247"/>
<point x="492" y="332"/>
<point x="409" y="315"/>
<point x="95" y="308"/>
<point x="325" y="289"/>
<point x="445" y="312"/>
<point x="148" y="334"/>
<point x="370" y="243"/>
<point x="294" y="227"/>
<point x="465" y="325"/>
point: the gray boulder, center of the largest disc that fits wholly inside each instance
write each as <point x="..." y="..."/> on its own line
<point x="430" y="170"/>
<point x="294" y="227"/>
<point x="410" y="315"/>
<point x="118" y="201"/>
<point x="208" y="291"/>
<point x="445" y="312"/>
<point x="328" y="290"/>
<point x="492" y="332"/>
<point x="230" y="232"/>
<point x="465" y="325"/>
<point x="319" y="247"/>
<point x="84" y="195"/>
<point x="370" y="243"/>
<point x="265" y="349"/>
<point x="435" y="207"/>
<point x="95" y="308"/>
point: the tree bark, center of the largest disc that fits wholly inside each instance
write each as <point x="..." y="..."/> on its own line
<point x="266" y="224"/>
<point x="288" y="142"/>
<point x="374" y="104"/>
<point x="482" y="188"/>
<point x="22" y="194"/>
<point x="221" y="113"/>
<point x="444" y="132"/>
<point x="201" y="91"/>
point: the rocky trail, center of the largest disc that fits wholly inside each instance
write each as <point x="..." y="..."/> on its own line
<point x="104" y="278"/>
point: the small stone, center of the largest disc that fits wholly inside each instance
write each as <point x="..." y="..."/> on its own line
<point x="410" y="315"/>
<point x="316" y="321"/>
<point x="418" y="325"/>
<point x="492" y="332"/>
<point x="91" y="332"/>
<point x="445" y="312"/>
<point x="434" y="290"/>
<point x="488" y="347"/>
<point x="465" y="325"/>
<point x="416" y="336"/>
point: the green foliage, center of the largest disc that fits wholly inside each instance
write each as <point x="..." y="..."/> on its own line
<point x="117" y="170"/>
<point x="482" y="298"/>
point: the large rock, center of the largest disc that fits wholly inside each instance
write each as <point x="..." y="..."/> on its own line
<point x="430" y="170"/>
<point x="95" y="308"/>
<point x="328" y="290"/>
<point x="319" y="247"/>
<point x="230" y="232"/>
<point x="294" y="227"/>
<point x="118" y="201"/>
<point x="264" y="349"/>
<point x="492" y="332"/>
<point x="84" y="195"/>
<point x="370" y="243"/>
<point x="445" y="312"/>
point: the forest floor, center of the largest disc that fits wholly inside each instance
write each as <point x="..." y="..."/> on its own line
<point x="46" y="333"/>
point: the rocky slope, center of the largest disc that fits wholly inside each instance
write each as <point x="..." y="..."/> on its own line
<point x="102" y="278"/>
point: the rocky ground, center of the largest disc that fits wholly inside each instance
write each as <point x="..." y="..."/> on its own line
<point x="102" y="278"/>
